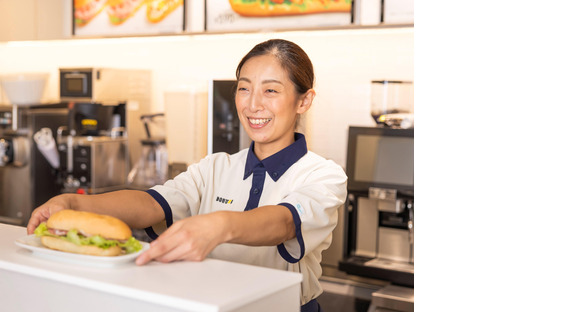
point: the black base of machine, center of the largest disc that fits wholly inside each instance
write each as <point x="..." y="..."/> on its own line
<point x="356" y="265"/>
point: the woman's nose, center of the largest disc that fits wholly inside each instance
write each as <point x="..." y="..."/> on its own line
<point x="255" y="103"/>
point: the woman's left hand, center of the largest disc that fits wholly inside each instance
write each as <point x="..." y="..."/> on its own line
<point x="190" y="239"/>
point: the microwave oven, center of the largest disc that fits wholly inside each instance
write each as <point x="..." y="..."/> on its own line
<point x="102" y="85"/>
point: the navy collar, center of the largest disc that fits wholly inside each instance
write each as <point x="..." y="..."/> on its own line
<point x="278" y="163"/>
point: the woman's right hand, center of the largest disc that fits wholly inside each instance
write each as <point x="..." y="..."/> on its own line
<point x="43" y="212"/>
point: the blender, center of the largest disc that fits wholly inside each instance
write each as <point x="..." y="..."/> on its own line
<point x="152" y="167"/>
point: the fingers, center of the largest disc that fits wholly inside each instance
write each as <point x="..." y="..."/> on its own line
<point x="38" y="216"/>
<point x="179" y="242"/>
<point x="162" y="245"/>
<point x="42" y="213"/>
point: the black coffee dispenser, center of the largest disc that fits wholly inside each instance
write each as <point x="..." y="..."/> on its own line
<point x="94" y="119"/>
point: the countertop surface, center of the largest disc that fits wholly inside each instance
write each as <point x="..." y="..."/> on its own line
<point x="207" y="285"/>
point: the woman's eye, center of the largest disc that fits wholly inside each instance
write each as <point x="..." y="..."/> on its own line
<point x="242" y="89"/>
<point x="271" y="91"/>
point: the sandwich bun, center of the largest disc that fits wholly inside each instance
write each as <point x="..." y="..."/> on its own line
<point x="90" y="224"/>
<point x="62" y="245"/>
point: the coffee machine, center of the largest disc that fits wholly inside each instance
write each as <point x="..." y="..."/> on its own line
<point x="93" y="149"/>
<point x="27" y="180"/>
<point x="379" y="235"/>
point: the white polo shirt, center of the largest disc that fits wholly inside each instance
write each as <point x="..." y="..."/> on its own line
<point x="311" y="187"/>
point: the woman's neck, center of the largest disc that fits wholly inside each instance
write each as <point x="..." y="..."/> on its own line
<point x="265" y="150"/>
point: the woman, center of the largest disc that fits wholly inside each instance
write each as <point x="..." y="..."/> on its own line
<point x="274" y="204"/>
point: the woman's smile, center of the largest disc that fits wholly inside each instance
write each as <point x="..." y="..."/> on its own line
<point x="257" y="123"/>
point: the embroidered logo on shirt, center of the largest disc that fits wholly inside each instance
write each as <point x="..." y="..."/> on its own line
<point x="224" y="200"/>
<point x="300" y="209"/>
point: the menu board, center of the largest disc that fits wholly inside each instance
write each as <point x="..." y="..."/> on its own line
<point x="242" y="15"/>
<point x="398" y="12"/>
<point x="127" y="17"/>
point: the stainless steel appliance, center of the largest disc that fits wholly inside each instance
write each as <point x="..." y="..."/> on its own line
<point x="379" y="235"/>
<point x="111" y="86"/>
<point x="101" y="85"/>
<point x="27" y="179"/>
<point x="93" y="149"/>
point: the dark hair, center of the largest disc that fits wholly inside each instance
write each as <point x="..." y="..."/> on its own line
<point x="292" y="58"/>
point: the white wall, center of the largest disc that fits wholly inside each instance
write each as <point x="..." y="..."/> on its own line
<point x="345" y="62"/>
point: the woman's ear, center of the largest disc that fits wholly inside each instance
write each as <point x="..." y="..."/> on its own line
<point x="306" y="101"/>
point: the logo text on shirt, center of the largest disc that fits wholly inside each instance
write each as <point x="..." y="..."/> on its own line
<point x="224" y="200"/>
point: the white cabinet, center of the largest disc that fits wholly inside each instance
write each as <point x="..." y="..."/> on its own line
<point x="35" y="19"/>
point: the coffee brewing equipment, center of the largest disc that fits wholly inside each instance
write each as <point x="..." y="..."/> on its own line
<point x="379" y="235"/>
<point x="152" y="167"/>
<point x="85" y="143"/>
<point x="27" y="179"/>
<point x="94" y="149"/>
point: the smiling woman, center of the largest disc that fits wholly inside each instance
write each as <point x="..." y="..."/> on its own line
<point x="275" y="81"/>
<point x="274" y="204"/>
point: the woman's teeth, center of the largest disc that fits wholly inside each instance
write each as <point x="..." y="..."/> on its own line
<point x="259" y="121"/>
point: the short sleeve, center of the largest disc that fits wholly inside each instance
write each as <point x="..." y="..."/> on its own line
<point x="315" y="202"/>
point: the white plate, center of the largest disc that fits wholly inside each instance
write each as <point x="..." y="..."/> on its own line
<point x="32" y="243"/>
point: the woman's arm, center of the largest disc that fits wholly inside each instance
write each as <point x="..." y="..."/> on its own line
<point x="195" y="237"/>
<point x="137" y="208"/>
<point x="263" y="226"/>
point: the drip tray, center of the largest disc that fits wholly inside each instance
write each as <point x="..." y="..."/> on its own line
<point x="393" y="298"/>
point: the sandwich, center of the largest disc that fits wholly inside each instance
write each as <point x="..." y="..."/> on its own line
<point x="121" y="10"/>
<point x="157" y="10"/>
<point x="263" y="8"/>
<point x="87" y="233"/>
<point x="86" y="10"/>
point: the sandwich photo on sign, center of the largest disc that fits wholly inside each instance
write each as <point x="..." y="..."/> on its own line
<point x="232" y="15"/>
<point x="128" y="17"/>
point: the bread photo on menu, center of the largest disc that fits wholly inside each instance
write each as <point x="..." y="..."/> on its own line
<point x="121" y="10"/>
<point x="86" y="10"/>
<point x="262" y="8"/>
<point x="87" y="233"/>
<point x="157" y="10"/>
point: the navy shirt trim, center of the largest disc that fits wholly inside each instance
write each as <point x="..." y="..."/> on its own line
<point x="298" y="228"/>
<point x="166" y="211"/>
<point x="277" y="164"/>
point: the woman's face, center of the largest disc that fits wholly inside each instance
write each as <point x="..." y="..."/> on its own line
<point x="268" y="104"/>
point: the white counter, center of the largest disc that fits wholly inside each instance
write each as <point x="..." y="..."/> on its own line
<point x="29" y="282"/>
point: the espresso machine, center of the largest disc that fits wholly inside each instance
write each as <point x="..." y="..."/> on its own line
<point x="91" y="154"/>
<point x="379" y="236"/>
<point x="27" y="179"/>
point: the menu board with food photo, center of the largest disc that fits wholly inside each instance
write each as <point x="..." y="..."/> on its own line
<point x="127" y="17"/>
<point x="239" y="15"/>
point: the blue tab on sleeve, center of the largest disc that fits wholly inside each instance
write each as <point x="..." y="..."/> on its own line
<point x="297" y="225"/>
<point x="166" y="211"/>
